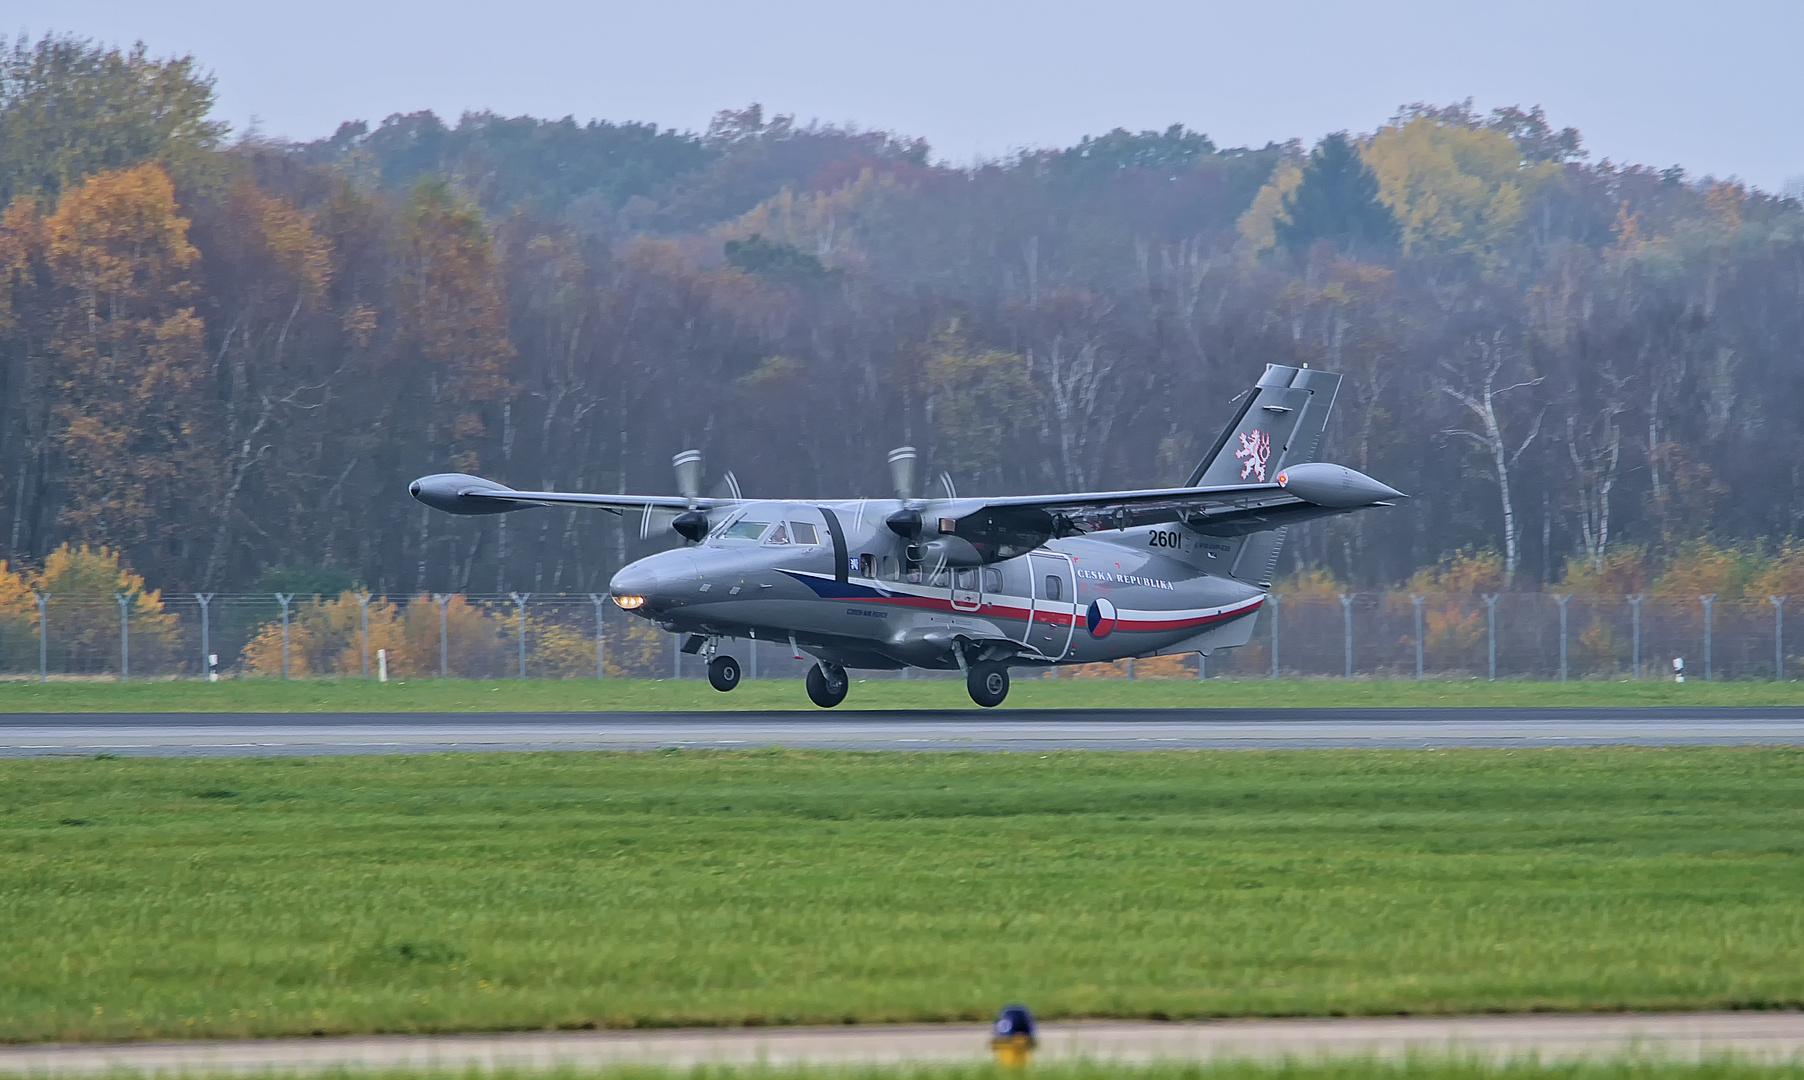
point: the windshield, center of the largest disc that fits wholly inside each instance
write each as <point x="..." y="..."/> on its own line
<point x="744" y="530"/>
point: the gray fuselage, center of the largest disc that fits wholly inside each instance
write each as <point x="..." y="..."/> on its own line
<point x="833" y="578"/>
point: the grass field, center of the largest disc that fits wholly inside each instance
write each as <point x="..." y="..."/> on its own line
<point x="454" y="695"/>
<point x="168" y="897"/>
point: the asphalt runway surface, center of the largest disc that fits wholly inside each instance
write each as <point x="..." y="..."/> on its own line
<point x="1021" y="731"/>
<point x="1769" y="1037"/>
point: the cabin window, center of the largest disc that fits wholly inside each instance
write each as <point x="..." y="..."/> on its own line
<point x="992" y="580"/>
<point x="891" y="569"/>
<point x="778" y="535"/>
<point x="966" y="579"/>
<point x="801" y="532"/>
<point x="1054" y="587"/>
<point x="744" y="530"/>
<point x="867" y="565"/>
<point x="942" y="578"/>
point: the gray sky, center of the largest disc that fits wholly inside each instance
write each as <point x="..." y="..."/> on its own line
<point x="1713" y="87"/>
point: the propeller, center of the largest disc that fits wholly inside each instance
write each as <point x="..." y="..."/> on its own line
<point x="693" y="524"/>
<point x="688" y="466"/>
<point x="902" y="472"/>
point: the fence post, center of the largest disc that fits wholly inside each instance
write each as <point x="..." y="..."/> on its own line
<point x="43" y="599"/>
<point x="1709" y="603"/>
<point x="1275" y="597"/>
<point x="676" y="656"/>
<point x="520" y="599"/>
<point x="284" y="599"/>
<point x="1491" y="630"/>
<point x="125" y="636"/>
<point x="1417" y="598"/>
<point x="601" y="669"/>
<point x="443" y="600"/>
<point x="363" y="601"/>
<point x="752" y="647"/>
<point x="1635" y="610"/>
<point x="206" y="633"/>
<point x="1563" y="601"/>
<point x="1202" y="667"/>
<point x="1346" y="618"/>
<point x="1778" y="603"/>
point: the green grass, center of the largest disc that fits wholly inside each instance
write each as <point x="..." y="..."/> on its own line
<point x="456" y="695"/>
<point x="183" y="897"/>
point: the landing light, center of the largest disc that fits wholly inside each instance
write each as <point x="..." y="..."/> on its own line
<point x="630" y="602"/>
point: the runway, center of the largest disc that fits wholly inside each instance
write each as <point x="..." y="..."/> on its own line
<point x="1021" y="731"/>
<point x="1769" y="1037"/>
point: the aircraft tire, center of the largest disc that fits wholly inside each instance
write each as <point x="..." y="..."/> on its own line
<point x="723" y="673"/>
<point x="988" y="684"/>
<point x="827" y="690"/>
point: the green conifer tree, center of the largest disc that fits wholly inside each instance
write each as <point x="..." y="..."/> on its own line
<point x="1337" y="200"/>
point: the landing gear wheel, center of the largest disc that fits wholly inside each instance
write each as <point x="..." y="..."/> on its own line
<point x="988" y="684"/>
<point x="723" y="673"/>
<point x="827" y="685"/>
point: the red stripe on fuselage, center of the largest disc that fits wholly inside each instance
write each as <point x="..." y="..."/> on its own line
<point x="1123" y="620"/>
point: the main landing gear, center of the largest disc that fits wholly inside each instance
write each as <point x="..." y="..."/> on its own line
<point x="987" y="683"/>
<point x="827" y="684"/>
<point x="723" y="673"/>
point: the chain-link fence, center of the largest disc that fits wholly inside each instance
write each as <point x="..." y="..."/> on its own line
<point x="562" y="636"/>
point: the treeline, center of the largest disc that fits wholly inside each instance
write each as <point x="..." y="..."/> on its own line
<point x="226" y="359"/>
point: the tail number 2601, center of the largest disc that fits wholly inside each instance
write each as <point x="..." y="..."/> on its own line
<point x="1160" y="538"/>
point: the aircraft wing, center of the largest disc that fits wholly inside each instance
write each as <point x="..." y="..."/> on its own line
<point x="1300" y="492"/>
<point x="458" y="493"/>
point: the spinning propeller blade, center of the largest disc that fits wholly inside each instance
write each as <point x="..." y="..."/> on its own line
<point x="692" y="525"/>
<point x="902" y="471"/>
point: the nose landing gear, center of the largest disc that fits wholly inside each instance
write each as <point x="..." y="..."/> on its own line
<point x="723" y="673"/>
<point x="827" y="684"/>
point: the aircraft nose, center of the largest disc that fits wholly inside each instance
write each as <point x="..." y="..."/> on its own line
<point x="636" y="580"/>
<point x="655" y="583"/>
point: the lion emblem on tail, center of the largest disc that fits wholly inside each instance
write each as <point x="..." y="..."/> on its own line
<point x="1255" y="449"/>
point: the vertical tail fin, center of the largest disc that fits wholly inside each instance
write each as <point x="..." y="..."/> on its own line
<point x="1280" y="423"/>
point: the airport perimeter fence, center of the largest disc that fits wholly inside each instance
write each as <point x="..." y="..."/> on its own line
<point x="1374" y="635"/>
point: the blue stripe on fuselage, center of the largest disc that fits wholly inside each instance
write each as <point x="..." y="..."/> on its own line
<point x="829" y="589"/>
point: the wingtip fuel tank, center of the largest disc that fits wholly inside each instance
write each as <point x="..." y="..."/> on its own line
<point x="461" y="493"/>
<point x="1325" y="484"/>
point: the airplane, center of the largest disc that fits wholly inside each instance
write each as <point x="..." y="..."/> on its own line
<point x="978" y="585"/>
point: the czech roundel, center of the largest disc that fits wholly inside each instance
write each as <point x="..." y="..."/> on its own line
<point x="1100" y="618"/>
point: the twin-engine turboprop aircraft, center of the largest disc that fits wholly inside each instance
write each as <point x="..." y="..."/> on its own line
<point x="978" y="585"/>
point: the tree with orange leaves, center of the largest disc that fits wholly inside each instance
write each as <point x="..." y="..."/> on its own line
<point x="128" y="355"/>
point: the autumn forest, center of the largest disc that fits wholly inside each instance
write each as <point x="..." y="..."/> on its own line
<point x="224" y="357"/>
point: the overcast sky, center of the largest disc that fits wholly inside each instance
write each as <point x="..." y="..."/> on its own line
<point x="1717" y="88"/>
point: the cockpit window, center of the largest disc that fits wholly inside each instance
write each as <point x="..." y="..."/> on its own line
<point x="744" y="530"/>
<point x="802" y="532"/>
<point x="778" y="535"/>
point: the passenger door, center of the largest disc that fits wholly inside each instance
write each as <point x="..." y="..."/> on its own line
<point x="1052" y="618"/>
